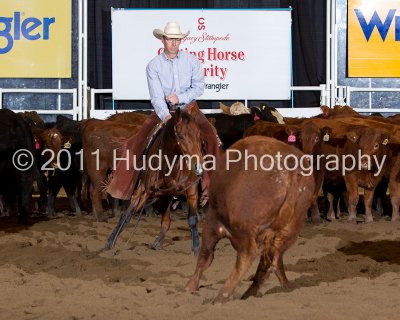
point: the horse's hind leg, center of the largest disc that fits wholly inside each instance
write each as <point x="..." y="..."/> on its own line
<point x="163" y="205"/>
<point x="192" y="219"/>
<point x="138" y="199"/>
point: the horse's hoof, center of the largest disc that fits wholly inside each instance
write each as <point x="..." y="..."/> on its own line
<point x="156" y="246"/>
<point x="108" y="245"/>
<point x="196" y="251"/>
<point x="78" y="214"/>
<point x="221" y="298"/>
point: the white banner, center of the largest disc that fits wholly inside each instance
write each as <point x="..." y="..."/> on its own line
<point x="246" y="54"/>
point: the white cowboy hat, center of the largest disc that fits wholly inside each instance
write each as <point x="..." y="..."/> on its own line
<point x="171" y="30"/>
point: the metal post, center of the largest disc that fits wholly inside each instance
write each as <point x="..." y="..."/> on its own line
<point x="348" y="93"/>
<point x="328" y="51"/>
<point x="333" y="56"/>
<point x="80" y="82"/>
<point x="85" y="58"/>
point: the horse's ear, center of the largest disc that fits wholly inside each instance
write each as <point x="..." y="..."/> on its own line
<point x="177" y="115"/>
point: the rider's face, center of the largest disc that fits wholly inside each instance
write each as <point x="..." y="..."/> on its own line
<point x="171" y="45"/>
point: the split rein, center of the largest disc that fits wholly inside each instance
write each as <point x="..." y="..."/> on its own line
<point x="180" y="179"/>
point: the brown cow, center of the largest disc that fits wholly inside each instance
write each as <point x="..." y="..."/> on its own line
<point x="344" y="140"/>
<point x="371" y="143"/>
<point x="133" y="117"/>
<point x="339" y="112"/>
<point x="327" y="113"/>
<point x="356" y="134"/>
<point x="260" y="211"/>
<point x="100" y="139"/>
<point x="390" y="130"/>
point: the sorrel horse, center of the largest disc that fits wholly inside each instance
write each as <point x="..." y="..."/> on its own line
<point x="179" y="146"/>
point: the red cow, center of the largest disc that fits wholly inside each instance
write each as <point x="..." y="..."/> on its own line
<point x="260" y="211"/>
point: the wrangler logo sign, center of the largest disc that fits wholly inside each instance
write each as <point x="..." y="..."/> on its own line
<point x="35" y="39"/>
<point x="373" y="38"/>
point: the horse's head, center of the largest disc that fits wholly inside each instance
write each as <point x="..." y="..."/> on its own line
<point x="187" y="134"/>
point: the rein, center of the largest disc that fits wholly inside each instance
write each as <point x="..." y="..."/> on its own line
<point x="179" y="179"/>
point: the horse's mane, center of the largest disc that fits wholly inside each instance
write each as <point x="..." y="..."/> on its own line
<point x="183" y="115"/>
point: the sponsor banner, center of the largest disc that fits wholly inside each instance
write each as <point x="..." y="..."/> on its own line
<point x="35" y="38"/>
<point x="245" y="54"/>
<point x="373" y="38"/>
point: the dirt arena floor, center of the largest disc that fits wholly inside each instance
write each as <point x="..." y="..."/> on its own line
<point x="53" y="270"/>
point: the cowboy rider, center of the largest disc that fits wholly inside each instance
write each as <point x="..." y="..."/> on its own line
<point x="175" y="79"/>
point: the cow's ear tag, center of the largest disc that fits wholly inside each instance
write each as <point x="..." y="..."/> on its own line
<point x="67" y="145"/>
<point x="256" y="117"/>
<point x="37" y="145"/>
<point x="326" y="137"/>
<point x="385" y="142"/>
<point x="291" y="138"/>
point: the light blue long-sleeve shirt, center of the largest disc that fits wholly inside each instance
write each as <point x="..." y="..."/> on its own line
<point x="182" y="75"/>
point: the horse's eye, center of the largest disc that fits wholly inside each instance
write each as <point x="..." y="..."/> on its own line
<point x="180" y="136"/>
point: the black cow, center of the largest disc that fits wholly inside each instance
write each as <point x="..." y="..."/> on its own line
<point x="231" y="128"/>
<point x="16" y="149"/>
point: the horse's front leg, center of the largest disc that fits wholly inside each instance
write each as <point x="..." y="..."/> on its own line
<point x="192" y="199"/>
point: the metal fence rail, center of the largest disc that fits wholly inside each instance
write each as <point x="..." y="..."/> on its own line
<point x="75" y="111"/>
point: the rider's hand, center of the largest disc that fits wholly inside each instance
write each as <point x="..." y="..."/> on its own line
<point x="173" y="99"/>
<point x="167" y="118"/>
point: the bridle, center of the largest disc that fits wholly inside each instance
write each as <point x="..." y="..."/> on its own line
<point x="180" y="180"/>
<point x="197" y="172"/>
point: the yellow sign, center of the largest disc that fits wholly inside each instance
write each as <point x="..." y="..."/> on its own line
<point x="373" y="38"/>
<point x="35" y="38"/>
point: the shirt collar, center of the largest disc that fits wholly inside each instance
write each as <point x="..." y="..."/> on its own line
<point x="167" y="59"/>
